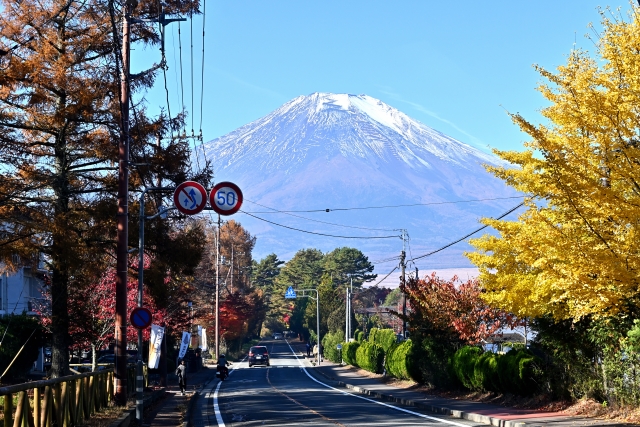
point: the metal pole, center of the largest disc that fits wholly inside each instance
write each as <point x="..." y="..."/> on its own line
<point x="218" y="290"/>
<point x="318" y="323"/>
<point x="346" y="318"/>
<point x="122" y="250"/>
<point x="139" y="373"/>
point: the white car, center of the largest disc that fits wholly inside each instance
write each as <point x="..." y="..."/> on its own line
<point x="277" y="336"/>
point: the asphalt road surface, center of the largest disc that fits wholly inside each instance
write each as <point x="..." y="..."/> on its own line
<point x="287" y="394"/>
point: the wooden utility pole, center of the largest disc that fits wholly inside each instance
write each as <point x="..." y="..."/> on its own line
<point x="122" y="251"/>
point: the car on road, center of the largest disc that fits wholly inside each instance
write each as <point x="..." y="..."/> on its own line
<point x="277" y="336"/>
<point x="258" y="355"/>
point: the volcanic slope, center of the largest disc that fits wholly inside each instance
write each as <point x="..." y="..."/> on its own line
<point x="345" y="153"/>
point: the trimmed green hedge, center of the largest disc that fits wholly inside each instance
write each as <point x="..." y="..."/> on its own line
<point x="517" y="372"/>
<point x="349" y="353"/>
<point x="385" y="338"/>
<point x="464" y="361"/>
<point x="329" y="343"/>
<point x="398" y="360"/>
<point x="359" y="335"/>
<point x="370" y="356"/>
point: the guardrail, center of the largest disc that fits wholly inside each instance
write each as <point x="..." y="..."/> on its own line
<point x="63" y="402"/>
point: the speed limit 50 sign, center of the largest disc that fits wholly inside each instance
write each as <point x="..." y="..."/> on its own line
<point x="226" y="198"/>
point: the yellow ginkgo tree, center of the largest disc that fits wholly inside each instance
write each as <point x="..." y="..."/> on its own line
<point x="575" y="251"/>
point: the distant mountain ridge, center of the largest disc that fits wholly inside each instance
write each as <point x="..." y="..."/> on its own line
<point x="341" y="151"/>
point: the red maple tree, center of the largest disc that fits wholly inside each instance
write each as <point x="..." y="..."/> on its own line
<point x="456" y="306"/>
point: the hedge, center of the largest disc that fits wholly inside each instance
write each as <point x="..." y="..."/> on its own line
<point x="520" y="372"/>
<point x="385" y="338"/>
<point x="329" y="344"/>
<point x="464" y="361"/>
<point x="370" y="356"/>
<point x="517" y="372"/>
<point x="485" y="373"/>
<point x="359" y="335"/>
<point x="349" y="352"/>
<point x="397" y="363"/>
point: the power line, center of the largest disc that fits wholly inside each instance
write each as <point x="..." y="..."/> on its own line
<point x="394" y="206"/>
<point x="322" y="222"/>
<point x="319" y="234"/>
<point x="470" y="234"/>
<point x="181" y="75"/>
<point x="383" y="279"/>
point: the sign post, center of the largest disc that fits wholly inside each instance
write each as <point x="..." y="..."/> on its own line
<point x="291" y="294"/>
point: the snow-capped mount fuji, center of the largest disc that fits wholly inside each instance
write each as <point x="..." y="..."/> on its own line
<point x="341" y="151"/>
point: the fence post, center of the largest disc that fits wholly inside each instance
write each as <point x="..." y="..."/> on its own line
<point x="8" y="410"/>
<point x="36" y="407"/>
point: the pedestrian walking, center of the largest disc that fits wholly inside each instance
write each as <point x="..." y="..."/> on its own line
<point x="181" y="372"/>
<point x="308" y="349"/>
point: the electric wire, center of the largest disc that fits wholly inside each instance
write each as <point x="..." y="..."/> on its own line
<point x="322" y="222"/>
<point x="181" y="73"/>
<point x="192" y="111"/>
<point x="393" y="206"/>
<point x="204" y="20"/>
<point x="166" y="90"/>
<point x="175" y="65"/>
<point x="470" y="234"/>
<point x="192" y="91"/>
<point x="384" y="278"/>
<point x="384" y="261"/>
<point x="319" y="234"/>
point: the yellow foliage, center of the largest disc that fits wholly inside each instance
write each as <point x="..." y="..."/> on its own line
<point x="575" y="251"/>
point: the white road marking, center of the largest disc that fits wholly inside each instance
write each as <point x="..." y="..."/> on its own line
<point x="371" y="400"/>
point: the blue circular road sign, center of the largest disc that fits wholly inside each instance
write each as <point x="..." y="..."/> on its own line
<point x="141" y="318"/>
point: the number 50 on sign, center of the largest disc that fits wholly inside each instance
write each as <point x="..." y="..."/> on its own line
<point x="226" y="198"/>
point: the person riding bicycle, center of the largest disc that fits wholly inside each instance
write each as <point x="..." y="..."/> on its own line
<point x="222" y="365"/>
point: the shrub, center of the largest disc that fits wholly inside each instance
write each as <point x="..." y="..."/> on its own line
<point x="330" y="342"/>
<point x="370" y="356"/>
<point x="372" y="334"/>
<point x="349" y="352"/>
<point x="359" y="335"/>
<point x="385" y="338"/>
<point x="519" y="372"/>
<point x="397" y="362"/>
<point x="464" y="361"/>
<point x="485" y="372"/>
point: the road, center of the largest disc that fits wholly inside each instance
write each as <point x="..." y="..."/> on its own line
<point x="288" y="394"/>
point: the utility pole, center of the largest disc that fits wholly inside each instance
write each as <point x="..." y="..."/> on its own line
<point x="402" y="281"/>
<point x="122" y="248"/>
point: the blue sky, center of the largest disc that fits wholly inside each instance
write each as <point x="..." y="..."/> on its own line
<point x="455" y="66"/>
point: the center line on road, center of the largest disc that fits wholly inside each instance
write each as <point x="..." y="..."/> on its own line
<point x="303" y="405"/>
<point x="417" y="414"/>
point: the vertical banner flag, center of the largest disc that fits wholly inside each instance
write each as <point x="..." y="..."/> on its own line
<point x="204" y="346"/>
<point x="155" y="346"/>
<point x="184" y="344"/>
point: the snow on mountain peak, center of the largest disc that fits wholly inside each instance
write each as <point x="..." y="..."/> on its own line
<point x="352" y="126"/>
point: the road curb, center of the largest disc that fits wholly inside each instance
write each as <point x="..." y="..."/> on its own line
<point x="470" y="416"/>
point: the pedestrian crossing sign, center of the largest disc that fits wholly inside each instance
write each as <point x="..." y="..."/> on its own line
<point x="290" y="293"/>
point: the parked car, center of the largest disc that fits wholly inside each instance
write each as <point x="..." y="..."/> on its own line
<point x="277" y="336"/>
<point x="258" y="355"/>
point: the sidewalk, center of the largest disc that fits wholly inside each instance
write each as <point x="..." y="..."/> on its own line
<point x="173" y="410"/>
<point x="348" y="377"/>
